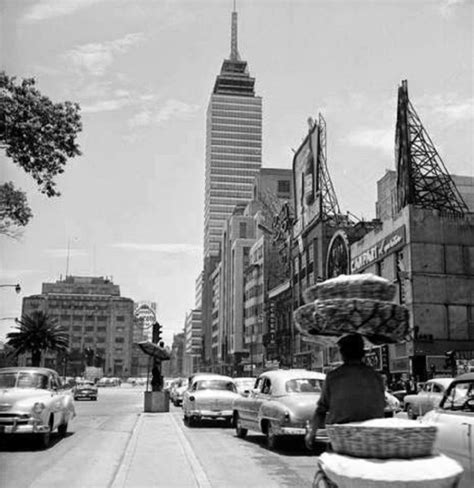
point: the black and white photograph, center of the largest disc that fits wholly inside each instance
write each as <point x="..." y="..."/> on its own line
<point x="237" y="243"/>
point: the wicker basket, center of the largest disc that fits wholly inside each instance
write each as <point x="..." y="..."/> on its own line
<point x="379" y="321"/>
<point x="352" y="286"/>
<point x="367" y="440"/>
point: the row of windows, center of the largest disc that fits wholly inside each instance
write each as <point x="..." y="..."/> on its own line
<point x="229" y="114"/>
<point x="237" y="165"/>
<point x="254" y="124"/>
<point x="221" y="98"/>
<point x="219" y="142"/>
<point x="221" y="171"/>
<point x="224" y="186"/>
<point x="235" y="159"/>
<point x="236" y="128"/>
<point x="239" y="108"/>
<point x="232" y="179"/>
<point x="253" y="311"/>
<point x="247" y="151"/>
<point x="232" y="135"/>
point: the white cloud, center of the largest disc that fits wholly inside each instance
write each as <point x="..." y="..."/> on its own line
<point x="105" y="105"/>
<point x="47" y="9"/>
<point x="449" y="105"/>
<point x="190" y="249"/>
<point x="63" y="253"/>
<point x="447" y="7"/>
<point x="379" y="139"/>
<point x="171" y="109"/>
<point x="95" y="58"/>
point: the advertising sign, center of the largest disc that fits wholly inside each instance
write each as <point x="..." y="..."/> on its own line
<point x="379" y="250"/>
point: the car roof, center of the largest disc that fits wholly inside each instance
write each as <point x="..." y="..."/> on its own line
<point x="33" y="369"/>
<point x="288" y="374"/>
<point x="211" y="376"/>
<point x="464" y="377"/>
<point x="443" y="381"/>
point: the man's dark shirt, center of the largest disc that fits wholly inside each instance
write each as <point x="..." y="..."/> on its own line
<point x="351" y="393"/>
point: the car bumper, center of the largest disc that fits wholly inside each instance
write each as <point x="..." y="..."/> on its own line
<point x="211" y="413"/>
<point x="20" y="427"/>
<point x="85" y="395"/>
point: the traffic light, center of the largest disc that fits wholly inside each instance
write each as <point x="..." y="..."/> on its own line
<point x="157" y="330"/>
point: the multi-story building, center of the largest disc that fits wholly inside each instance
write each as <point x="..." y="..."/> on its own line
<point x="238" y="237"/>
<point x="233" y="159"/>
<point x="216" y="299"/>
<point x="98" y="320"/>
<point x="177" y="356"/>
<point x="192" y="342"/>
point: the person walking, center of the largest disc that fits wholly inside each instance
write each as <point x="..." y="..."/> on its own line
<point x="352" y="392"/>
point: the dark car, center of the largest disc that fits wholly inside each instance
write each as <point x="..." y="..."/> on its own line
<point x="85" y="390"/>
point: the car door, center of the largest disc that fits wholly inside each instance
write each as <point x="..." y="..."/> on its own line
<point x="263" y="398"/>
<point x="455" y="430"/>
<point x="248" y="406"/>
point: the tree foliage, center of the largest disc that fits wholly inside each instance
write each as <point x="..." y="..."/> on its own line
<point x="14" y="209"/>
<point x="38" y="135"/>
<point x="38" y="333"/>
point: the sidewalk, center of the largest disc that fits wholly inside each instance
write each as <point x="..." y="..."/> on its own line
<point x="159" y="455"/>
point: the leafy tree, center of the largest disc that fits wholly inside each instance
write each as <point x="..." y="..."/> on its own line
<point x="38" y="333"/>
<point x="39" y="136"/>
<point x="14" y="210"/>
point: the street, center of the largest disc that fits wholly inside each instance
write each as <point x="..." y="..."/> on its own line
<point x="94" y="450"/>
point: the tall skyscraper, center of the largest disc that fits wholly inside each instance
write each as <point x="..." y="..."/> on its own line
<point x="233" y="159"/>
<point x="233" y="144"/>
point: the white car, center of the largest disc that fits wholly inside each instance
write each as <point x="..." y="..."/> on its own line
<point x="427" y="398"/>
<point x="33" y="401"/>
<point x="455" y="421"/>
<point x="209" y="396"/>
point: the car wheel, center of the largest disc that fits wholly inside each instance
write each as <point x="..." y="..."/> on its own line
<point x="273" y="440"/>
<point x="192" y="421"/>
<point x="239" y="430"/>
<point x="411" y="413"/>
<point x="62" y="429"/>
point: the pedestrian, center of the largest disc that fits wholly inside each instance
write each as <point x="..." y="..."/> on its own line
<point x="352" y="392"/>
<point x="409" y="385"/>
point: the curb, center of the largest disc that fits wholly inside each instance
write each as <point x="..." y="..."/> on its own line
<point x="120" y="476"/>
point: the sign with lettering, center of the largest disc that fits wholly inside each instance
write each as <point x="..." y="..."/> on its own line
<point x="379" y="250"/>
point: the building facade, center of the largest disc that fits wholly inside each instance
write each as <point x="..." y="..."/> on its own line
<point x="233" y="159"/>
<point x="98" y="321"/>
<point x="192" y="342"/>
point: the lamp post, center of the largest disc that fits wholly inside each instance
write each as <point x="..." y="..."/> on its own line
<point x="17" y="287"/>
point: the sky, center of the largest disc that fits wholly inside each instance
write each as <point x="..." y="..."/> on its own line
<point x="132" y="206"/>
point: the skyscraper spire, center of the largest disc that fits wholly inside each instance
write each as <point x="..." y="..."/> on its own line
<point x="234" y="53"/>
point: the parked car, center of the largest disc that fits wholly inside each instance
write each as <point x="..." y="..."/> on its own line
<point x="209" y="396"/>
<point x="244" y="384"/>
<point x="33" y="401"/>
<point x="281" y="404"/>
<point x="177" y="391"/>
<point x="427" y="398"/>
<point x="392" y="405"/>
<point x="85" y="389"/>
<point x="455" y="421"/>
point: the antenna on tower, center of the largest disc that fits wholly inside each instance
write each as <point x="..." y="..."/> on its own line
<point x="234" y="53"/>
<point x="68" y="256"/>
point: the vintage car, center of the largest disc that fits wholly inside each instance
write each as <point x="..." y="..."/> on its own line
<point x="281" y="404"/>
<point x="455" y="421"/>
<point x="245" y="384"/>
<point x="177" y="391"/>
<point x="33" y="401"/>
<point x="427" y="398"/>
<point x="85" y="389"/>
<point x="209" y="396"/>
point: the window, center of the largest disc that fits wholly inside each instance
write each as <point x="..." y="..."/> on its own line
<point x="120" y="318"/>
<point x="119" y="339"/>
<point x="283" y="186"/>
<point x="90" y="328"/>
<point x="242" y="229"/>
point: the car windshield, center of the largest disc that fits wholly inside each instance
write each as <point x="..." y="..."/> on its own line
<point x="303" y="385"/>
<point x="22" y="379"/>
<point x="86" y="383"/>
<point x="460" y="397"/>
<point x="215" y="385"/>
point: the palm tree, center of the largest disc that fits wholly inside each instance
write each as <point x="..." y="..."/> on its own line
<point x="38" y="333"/>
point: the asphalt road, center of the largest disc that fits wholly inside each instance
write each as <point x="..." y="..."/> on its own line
<point x="90" y="455"/>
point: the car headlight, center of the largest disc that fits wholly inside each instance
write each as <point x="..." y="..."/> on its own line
<point x="286" y="416"/>
<point x="38" y="408"/>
